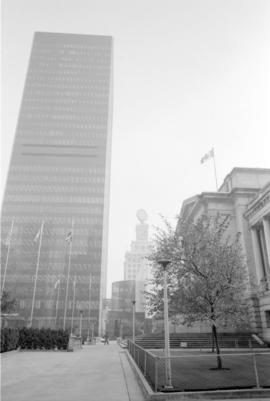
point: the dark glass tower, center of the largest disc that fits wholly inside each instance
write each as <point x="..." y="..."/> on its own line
<point x="59" y="177"/>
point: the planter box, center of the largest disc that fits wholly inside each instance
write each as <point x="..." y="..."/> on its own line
<point x="74" y="343"/>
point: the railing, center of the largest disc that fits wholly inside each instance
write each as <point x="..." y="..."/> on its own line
<point x="194" y="370"/>
<point x="147" y="362"/>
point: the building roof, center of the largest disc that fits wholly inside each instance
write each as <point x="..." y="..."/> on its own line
<point x="240" y="181"/>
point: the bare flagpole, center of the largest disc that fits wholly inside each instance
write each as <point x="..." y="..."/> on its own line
<point x="57" y="300"/>
<point x="73" y="303"/>
<point x="8" y="244"/>
<point x="215" y="170"/>
<point x="89" y="307"/>
<point x="69" y="258"/>
<point x="36" y="275"/>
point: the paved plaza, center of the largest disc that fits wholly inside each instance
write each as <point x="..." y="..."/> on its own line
<point x="95" y="373"/>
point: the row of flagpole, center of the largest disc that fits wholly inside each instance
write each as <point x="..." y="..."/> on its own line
<point x="69" y="239"/>
<point x="8" y="241"/>
<point x="38" y="238"/>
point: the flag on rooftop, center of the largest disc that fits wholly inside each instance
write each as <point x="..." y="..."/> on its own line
<point x="69" y="237"/>
<point x="207" y="156"/>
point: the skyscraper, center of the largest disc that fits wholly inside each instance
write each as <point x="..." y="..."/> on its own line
<point x="57" y="189"/>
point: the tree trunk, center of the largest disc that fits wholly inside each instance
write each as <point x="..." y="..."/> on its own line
<point x="213" y="340"/>
<point x="219" y="361"/>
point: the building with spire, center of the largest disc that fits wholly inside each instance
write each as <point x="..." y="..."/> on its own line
<point x="136" y="265"/>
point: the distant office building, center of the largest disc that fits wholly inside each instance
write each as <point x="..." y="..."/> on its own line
<point x="136" y="265"/>
<point x="58" y="183"/>
<point x="245" y="196"/>
<point x="124" y="292"/>
<point x="120" y="317"/>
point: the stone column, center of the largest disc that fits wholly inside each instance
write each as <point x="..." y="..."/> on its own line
<point x="266" y="227"/>
<point x="257" y="254"/>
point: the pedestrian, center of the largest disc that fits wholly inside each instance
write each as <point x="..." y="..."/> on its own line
<point x="106" y="339"/>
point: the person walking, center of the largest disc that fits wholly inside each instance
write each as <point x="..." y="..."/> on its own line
<point x="106" y="339"/>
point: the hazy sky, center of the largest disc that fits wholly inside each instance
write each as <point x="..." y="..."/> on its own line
<point x="188" y="75"/>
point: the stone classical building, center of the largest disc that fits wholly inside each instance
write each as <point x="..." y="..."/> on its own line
<point x="258" y="219"/>
<point x="245" y="196"/>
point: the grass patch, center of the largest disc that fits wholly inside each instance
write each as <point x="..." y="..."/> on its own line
<point x="195" y="370"/>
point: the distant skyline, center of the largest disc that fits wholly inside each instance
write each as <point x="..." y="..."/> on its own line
<point x="188" y="76"/>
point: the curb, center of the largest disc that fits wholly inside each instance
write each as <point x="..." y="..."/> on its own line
<point x="150" y="395"/>
<point x="8" y="353"/>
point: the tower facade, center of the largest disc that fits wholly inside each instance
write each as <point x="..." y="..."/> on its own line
<point x="137" y="266"/>
<point x="55" y="208"/>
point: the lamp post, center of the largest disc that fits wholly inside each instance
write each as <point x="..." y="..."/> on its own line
<point x="73" y="305"/>
<point x="133" y="320"/>
<point x="168" y="373"/>
<point x="121" y="329"/>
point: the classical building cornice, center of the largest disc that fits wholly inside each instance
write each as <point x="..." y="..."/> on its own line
<point x="259" y="203"/>
<point x="191" y="205"/>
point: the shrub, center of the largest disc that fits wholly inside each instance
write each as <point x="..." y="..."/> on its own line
<point x="43" y="338"/>
<point x="9" y="339"/>
<point x="61" y="339"/>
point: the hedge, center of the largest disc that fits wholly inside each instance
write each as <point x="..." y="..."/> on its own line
<point x="43" y="339"/>
<point x="29" y="338"/>
<point x="9" y="339"/>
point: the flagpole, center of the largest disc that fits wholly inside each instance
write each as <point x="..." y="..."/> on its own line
<point x="73" y="303"/>
<point x="37" y="268"/>
<point x="57" y="301"/>
<point x="89" y="307"/>
<point x="215" y="169"/>
<point x="69" y="258"/>
<point x="6" y="264"/>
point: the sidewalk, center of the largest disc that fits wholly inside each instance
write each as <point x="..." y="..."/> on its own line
<point x="95" y="373"/>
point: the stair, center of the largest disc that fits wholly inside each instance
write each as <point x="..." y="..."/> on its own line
<point x="200" y="340"/>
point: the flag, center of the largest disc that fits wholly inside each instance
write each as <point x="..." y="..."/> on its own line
<point x="69" y="237"/>
<point x="38" y="234"/>
<point x="57" y="283"/>
<point x="8" y="239"/>
<point x="207" y="156"/>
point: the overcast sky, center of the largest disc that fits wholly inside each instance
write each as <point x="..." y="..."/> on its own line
<point x="189" y="75"/>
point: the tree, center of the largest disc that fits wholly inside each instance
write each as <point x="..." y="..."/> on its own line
<point x="8" y="304"/>
<point x="207" y="276"/>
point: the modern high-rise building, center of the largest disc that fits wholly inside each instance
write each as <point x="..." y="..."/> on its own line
<point x="57" y="189"/>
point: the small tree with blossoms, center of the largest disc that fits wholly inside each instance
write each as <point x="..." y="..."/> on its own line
<point x="207" y="275"/>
